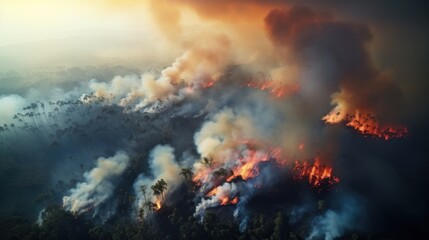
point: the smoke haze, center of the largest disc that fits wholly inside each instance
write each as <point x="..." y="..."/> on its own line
<point x="312" y="110"/>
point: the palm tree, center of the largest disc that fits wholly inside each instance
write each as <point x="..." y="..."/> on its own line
<point x="208" y="161"/>
<point x="141" y="213"/>
<point x="150" y="205"/>
<point x="187" y="173"/>
<point x="143" y="189"/>
<point x="159" y="187"/>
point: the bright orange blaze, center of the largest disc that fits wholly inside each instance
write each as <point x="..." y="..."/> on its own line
<point x="212" y="192"/>
<point x="315" y="173"/>
<point x="158" y="204"/>
<point x="248" y="169"/>
<point x="366" y="124"/>
<point x="201" y="176"/>
<point x="226" y="201"/>
<point x="276" y="90"/>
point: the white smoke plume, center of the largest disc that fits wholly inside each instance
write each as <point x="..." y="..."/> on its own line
<point x="231" y="146"/>
<point x="98" y="185"/>
<point x="163" y="165"/>
<point x="199" y="67"/>
<point x="220" y="135"/>
<point x="334" y="223"/>
<point x="224" y="193"/>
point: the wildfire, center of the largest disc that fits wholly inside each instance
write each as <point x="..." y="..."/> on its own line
<point x="212" y="192"/>
<point x="190" y="89"/>
<point x="315" y="173"/>
<point x="202" y="176"/>
<point x="276" y="90"/>
<point x="208" y="84"/>
<point x="224" y="201"/>
<point x="247" y="167"/>
<point x="218" y="181"/>
<point x="366" y="124"/>
<point x="227" y="201"/>
<point x="158" y="205"/>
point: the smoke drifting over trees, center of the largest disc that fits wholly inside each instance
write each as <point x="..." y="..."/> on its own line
<point x="304" y="138"/>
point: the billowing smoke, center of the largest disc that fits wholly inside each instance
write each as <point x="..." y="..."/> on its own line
<point x="214" y="132"/>
<point x="225" y="130"/>
<point x="224" y="194"/>
<point x="162" y="165"/>
<point x="334" y="223"/>
<point x="98" y="185"/>
<point x="199" y="67"/>
<point x="339" y="51"/>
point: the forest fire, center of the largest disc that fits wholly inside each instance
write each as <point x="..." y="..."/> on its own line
<point x="366" y="124"/>
<point x="201" y="176"/>
<point x="227" y="201"/>
<point x="212" y="192"/>
<point x="208" y="84"/>
<point x="247" y="168"/>
<point x="157" y="205"/>
<point x="315" y="173"/>
<point x="276" y="90"/>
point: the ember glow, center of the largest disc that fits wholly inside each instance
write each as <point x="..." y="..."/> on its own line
<point x="208" y="84"/>
<point x="158" y="204"/>
<point x="275" y="89"/>
<point x="315" y="173"/>
<point x="246" y="167"/>
<point x="366" y="124"/>
<point x="227" y="201"/>
<point x="193" y="119"/>
<point x="212" y="192"/>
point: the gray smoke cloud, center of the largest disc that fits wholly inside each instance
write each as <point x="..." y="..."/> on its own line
<point x="334" y="223"/>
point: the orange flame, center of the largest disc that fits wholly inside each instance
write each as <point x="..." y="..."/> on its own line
<point x="315" y="173"/>
<point x="247" y="168"/>
<point x="366" y="124"/>
<point x="227" y="201"/>
<point x="277" y="90"/>
<point x="212" y="192"/>
<point x="158" y="205"/>
<point x="224" y="200"/>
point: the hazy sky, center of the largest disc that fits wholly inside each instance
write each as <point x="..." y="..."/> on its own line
<point x="27" y="20"/>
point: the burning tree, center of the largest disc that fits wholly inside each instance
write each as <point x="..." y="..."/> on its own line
<point x="158" y="189"/>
